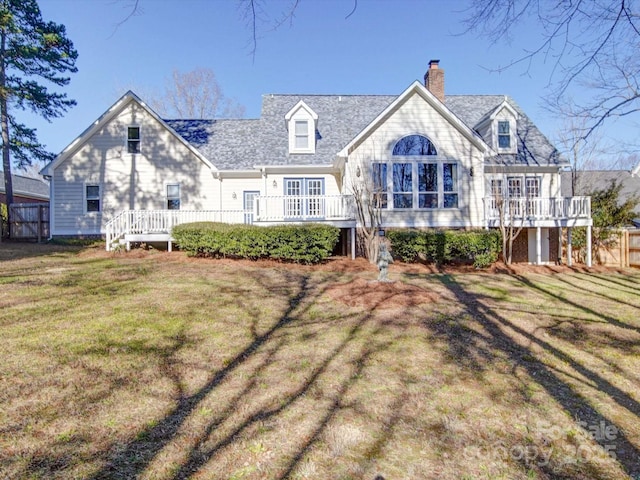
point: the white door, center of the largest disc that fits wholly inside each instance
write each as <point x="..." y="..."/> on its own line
<point x="293" y="202"/>
<point x="249" y="202"/>
<point x="314" y="205"/>
<point x="514" y="192"/>
<point x="544" y="245"/>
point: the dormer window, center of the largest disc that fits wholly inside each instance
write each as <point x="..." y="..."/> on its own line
<point x="504" y="134"/>
<point x="301" y="123"/>
<point x="302" y="135"/>
<point x="499" y="127"/>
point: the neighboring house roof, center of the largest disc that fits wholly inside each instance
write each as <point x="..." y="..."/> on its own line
<point x="27" y="187"/>
<point x="588" y="181"/>
<point x="243" y="144"/>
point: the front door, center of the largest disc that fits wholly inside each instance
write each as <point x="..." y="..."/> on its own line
<point x="248" y="206"/>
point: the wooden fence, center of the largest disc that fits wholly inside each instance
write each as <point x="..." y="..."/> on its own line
<point x="29" y="221"/>
<point x="633" y="248"/>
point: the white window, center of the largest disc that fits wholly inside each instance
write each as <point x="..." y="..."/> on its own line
<point x="416" y="184"/>
<point x="450" y="184"/>
<point x="496" y="188"/>
<point x="380" y="185"/>
<point x="532" y="186"/>
<point x="92" y="198"/>
<point x="301" y="123"/>
<point x="133" y="139"/>
<point x="302" y="134"/>
<point x="417" y="178"/>
<point x="428" y="185"/>
<point x="504" y="134"/>
<point x="173" y="196"/>
<point x="402" y="185"/>
<point x="514" y="186"/>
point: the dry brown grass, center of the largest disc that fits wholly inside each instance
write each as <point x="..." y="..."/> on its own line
<point x="154" y="366"/>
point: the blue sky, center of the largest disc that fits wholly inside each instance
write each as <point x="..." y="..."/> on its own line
<point x="380" y="49"/>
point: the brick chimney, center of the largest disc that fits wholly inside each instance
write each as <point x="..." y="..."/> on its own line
<point x="434" y="80"/>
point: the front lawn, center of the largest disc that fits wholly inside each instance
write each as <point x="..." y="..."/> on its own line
<point x="156" y="366"/>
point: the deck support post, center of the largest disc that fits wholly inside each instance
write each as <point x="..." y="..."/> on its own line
<point x="569" y="247"/>
<point x="538" y="245"/>
<point x="353" y="243"/>
<point x="589" y="246"/>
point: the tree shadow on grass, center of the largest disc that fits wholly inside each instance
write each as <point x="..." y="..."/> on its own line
<point x="610" y="280"/>
<point x="571" y="401"/>
<point x="598" y="290"/>
<point x="135" y="456"/>
<point x="612" y="320"/>
<point x="228" y="425"/>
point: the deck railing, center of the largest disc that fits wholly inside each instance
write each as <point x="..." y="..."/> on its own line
<point x="140" y="222"/>
<point x="304" y="208"/>
<point x="532" y="209"/>
<point x="265" y="209"/>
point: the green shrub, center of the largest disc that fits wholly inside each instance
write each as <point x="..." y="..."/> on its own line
<point x="4" y="220"/>
<point x="311" y="243"/>
<point x="477" y="247"/>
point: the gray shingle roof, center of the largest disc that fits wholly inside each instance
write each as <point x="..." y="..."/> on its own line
<point x="588" y="181"/>
<point x="27" y="186"/>
<point x="534" y="149"/>
<point x="241" y="144"/>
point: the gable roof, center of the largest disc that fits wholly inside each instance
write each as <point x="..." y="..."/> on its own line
<point x="534" y="149"/>
<point x="301" y="106"/>
<point x="27" y="187"/>
<point x="492" y="114"/>
<point x="114" y="110"/>
<point x="416" y="88"/>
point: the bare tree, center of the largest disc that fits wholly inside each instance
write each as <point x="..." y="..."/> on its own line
<point x="368" y="186"/>
<point x="511" y="214"/>
<point x="582" y="154"/>
<point x="195" y="95"/>
<point x="592" y="45"/>
<point x="257" y="15"/>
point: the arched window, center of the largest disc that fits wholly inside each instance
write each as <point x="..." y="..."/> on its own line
<point x="414" y="145"/>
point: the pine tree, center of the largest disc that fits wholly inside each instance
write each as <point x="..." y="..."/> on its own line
<point x="30" y="49"/>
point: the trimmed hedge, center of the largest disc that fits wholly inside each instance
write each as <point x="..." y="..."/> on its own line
<point x="312" y="243"/>
<point x="479" y="247"/>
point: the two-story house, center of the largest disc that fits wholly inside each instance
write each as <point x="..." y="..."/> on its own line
<point x="432" y="161"/>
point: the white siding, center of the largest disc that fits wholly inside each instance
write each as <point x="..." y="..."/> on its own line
<point x="128" y="181"/>
<point x="229" y="186"/>
<point x="416" y="116"/>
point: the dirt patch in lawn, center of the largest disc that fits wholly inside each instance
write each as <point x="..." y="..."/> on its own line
<point x="379" y="295"/>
